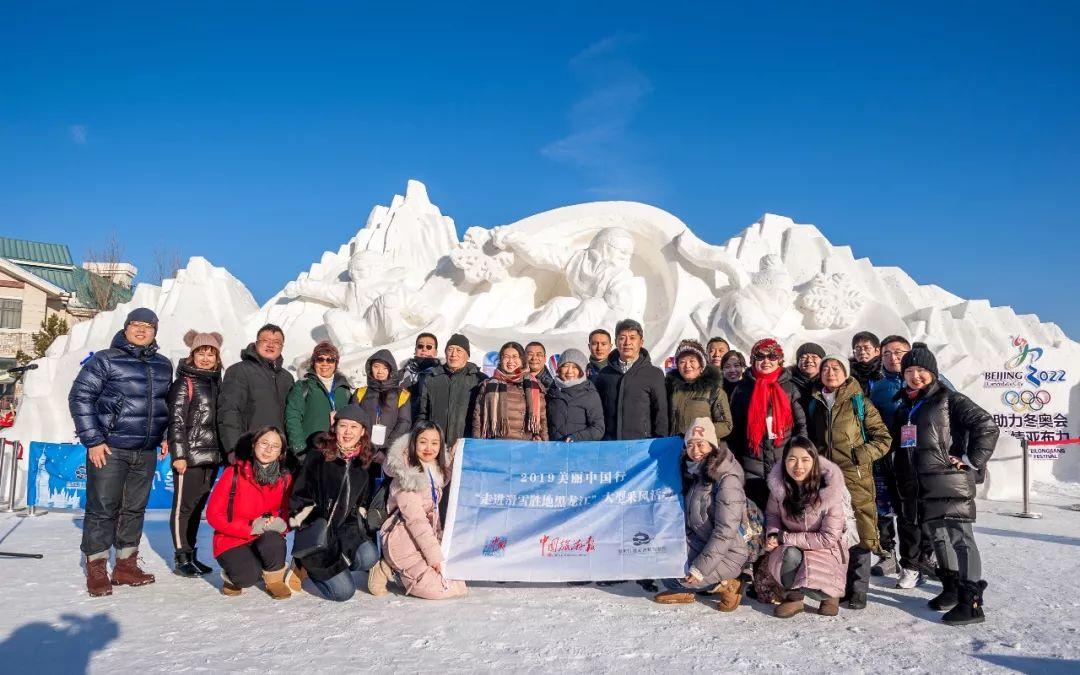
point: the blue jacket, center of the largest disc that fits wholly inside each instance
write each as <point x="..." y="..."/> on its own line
<point x="883" y="393"/>
<point x="119" y="397"/>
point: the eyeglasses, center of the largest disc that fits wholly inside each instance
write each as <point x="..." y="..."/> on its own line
<point x="141" y="324"/>
<point x="325" y="359"/>
<point x="268" y="445"/>
<point x="863" y="349"/>
<point x="767" y="357"/>
<point x="271" y="343"/>
<point x="899" y="353"/>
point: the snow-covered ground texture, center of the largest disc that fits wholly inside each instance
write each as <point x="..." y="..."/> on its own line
<point x="49" y="625"/>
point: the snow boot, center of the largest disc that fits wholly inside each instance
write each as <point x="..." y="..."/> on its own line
<point x="296" y="577"/>
<point x="909" y="578"/>
<point x="674" y="597"/>
<point x="202" y="567"/>
<point x="126" y="571"/>
<point x="378" y="577"/>
<point x="97" y="577"/>
<point x="791" y="605"/>
<point x="275" y="584"/>
<point x="885" y="565"/>
<point x="857" y="600"/>
<point x="184" y="567"/>
<point x="830" y="606"/>
<point x="950" y="584"/>
<point x="969" y="607"/>
<point x="730" y="591"/>
<point x="228" y="588"/>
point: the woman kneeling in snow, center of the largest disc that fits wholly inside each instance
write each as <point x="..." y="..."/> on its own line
<point x="716" y="508"/>
<point x="419" y="465"/>
<point x="806" y="522"/>
<point x="248" y="510"/>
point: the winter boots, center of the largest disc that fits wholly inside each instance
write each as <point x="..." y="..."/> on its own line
<point x="378" y="577"/>
<point x="97" y="577"/>
<point x="184" y="565"/>
<point x="275" y="584"/>
<point x="950" y="585"/>
<point x="969" y="607"/>
<point x="126" y="571"/>
<point x="791" y="605"/>
<point x="674" y="597"/>
<point x="228" y="588"/>
<point x="730" y="592"/>
<point x="297" y="574"/>
<point x="203" y="568"/>
<point x="831" y="606"/>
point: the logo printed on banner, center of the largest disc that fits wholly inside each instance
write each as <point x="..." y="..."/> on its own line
<point x="495" y="547"/>
<point x="640" y="546"/>
<point x="561" y="547"/>
<point x="640" y="539"/>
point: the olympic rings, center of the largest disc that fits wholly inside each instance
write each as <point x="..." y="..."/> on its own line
<point x="1026" y="400"/>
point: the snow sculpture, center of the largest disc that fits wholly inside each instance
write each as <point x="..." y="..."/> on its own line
<point x="762" y="307"/>
<point x="830" y="301"/>
<point x="481" y="260"/>
<point x="602" y="287"/>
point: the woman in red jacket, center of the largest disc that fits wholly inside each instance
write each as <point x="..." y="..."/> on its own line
<point x="249" y="511"/>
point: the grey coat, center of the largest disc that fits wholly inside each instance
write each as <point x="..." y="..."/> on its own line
<point x="715" y="510"/>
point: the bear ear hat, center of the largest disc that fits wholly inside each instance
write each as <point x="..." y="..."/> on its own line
<point x="219" y="337"/>
<point x="189" y="337"/>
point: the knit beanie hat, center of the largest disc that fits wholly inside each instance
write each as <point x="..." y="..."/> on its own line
<point x="810" y="348"/>
<point x="143" y="314"/>
<point x="701" y="429"/>
<point x="920" y="355"/>
<point x="692" y="348"/>
<point x="842" y="360"/>
<point x="195" y="340"/>
<point x="354" y="412"/>
<point x="459" y="340"/>
<point x="576" y="357"/>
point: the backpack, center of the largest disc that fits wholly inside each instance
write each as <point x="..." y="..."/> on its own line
<point x="860" y="411"/>
<point x="402" y="399"/>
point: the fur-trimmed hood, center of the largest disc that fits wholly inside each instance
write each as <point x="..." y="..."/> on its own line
<point x="832" y="478"/>
<point x="409" y="478"/>
<point x="711" y="378"/>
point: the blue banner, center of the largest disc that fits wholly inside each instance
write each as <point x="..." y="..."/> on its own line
<point x="57" y="478"/>
<point x="530" y="511"/>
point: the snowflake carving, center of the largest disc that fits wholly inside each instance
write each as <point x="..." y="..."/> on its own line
<point x="830" y="301"/>
<point x="479" y="258"/>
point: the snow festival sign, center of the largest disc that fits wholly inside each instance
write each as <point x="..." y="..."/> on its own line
<point x="57" y="478"/>
<point x="593" y="511"/>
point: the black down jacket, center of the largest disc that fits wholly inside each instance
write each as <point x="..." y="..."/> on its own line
<point x="635" y="402"/>
<point x="253" y="394"/>
<point x="947" y="423"/>
<point x="193" y="435"/>
<point x="320" y="484"/>
<point x="574" y="412"/>
<point x="448" y="398"/>
<point x="118" y="398"/>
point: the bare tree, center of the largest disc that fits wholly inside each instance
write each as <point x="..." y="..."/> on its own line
<point x="104" y="291"/>
<point x="167" y="262"/>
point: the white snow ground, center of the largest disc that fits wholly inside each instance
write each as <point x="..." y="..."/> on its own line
<point x="49" y="625"/>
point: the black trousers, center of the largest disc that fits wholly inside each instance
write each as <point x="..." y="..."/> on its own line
<point x="116" y="496"/>
<point x="191" y="491"/>
<point x="244" y="565"/>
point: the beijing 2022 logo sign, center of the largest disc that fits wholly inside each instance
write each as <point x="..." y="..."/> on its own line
<point x="1024" y="378"/>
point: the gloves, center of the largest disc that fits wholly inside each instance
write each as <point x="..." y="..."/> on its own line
<point x="258" y="526"/>
<point x="298" y="519"/>
<point x="275" y="524"/>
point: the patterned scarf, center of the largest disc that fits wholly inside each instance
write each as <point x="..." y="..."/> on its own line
<point x="266" y="474"/>
<point x="496" y="424"/>
<point x="768" y="396"/>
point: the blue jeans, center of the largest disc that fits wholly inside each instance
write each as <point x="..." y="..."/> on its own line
<point x="341" y="586"/>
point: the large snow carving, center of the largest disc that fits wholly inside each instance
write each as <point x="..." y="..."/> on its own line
<point x="555" y="276"/>
<point x="830" y="301"/>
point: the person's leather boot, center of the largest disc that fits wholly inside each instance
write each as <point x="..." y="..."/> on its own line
<point x="275" y="584"/>
<point x="97" y="577"/>
<point x="730" y="591"/>
<point x="126" y="572"/>
<point x="791" y="605"/>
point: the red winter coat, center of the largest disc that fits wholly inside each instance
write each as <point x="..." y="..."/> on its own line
<point x="250" y="502"/>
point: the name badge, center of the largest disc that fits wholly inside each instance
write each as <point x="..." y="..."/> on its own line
<point x="378" y="434"/>
<point x="907" y="436"/>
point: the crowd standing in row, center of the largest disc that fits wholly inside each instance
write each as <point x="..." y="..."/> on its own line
<point x="792" y="476"/>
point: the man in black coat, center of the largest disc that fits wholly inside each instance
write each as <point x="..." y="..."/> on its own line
<point x="632" y="389"/>
<point x="253" y="392"/>
<point x="118" y="403"/>
<point x="448" y="391"/>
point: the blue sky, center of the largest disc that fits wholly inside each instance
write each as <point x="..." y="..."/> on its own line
<point x="939" y="137"/>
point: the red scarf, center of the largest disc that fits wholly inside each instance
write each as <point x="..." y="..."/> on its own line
<point x="768" y="396"/>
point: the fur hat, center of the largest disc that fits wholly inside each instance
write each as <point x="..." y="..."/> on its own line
<point x="691" y="348"/>
<point x="701" y="429"/>
<point x="194" y="340"/>
<point x="842" y="360"/>
<point x="920" y="355"/>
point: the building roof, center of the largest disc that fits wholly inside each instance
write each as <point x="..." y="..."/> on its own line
<point x="23" y="250"/>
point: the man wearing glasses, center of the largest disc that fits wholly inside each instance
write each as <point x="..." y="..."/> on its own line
<point x="119" y="406"/>
<point x="866" y="359"/>
<point x="253" y="392"/>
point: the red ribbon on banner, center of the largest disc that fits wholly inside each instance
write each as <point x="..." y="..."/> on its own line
<point x="1066" y="441"/>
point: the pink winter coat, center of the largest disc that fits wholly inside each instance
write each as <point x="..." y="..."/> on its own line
<point x="412" y="533"/>
<point x="819" y="532"/>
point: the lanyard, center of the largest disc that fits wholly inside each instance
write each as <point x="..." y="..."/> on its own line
<point x="914" y="410"/>
<point x="333" y="404"/>
<point x="434" y="497"/>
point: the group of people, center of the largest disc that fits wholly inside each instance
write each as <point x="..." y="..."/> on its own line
<point x="793" y="475"/>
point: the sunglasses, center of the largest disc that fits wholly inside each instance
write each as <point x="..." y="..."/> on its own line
<point x="766" y="357"/>
<point x="325" y="359"/>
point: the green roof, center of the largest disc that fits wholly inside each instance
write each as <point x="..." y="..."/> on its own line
<point x="35" y="251"/>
